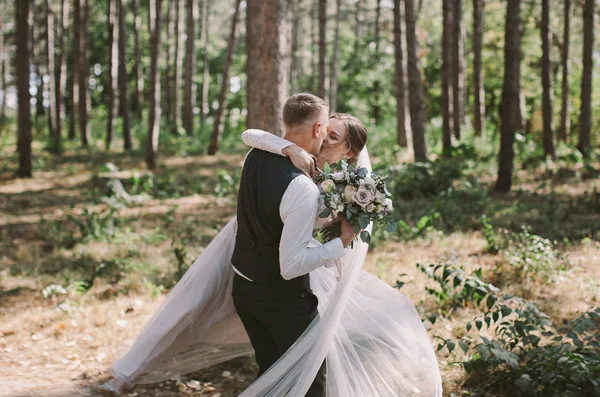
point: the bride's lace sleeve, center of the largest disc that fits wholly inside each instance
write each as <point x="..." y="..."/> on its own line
<point x="266" y="141"/>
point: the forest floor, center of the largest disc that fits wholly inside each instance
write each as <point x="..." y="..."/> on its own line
<point x="63" y="345"/>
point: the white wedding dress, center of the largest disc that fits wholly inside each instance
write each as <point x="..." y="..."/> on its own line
<point x="370" y="335"/>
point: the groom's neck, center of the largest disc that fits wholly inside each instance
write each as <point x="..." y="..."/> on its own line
<point x="300" y="138"/>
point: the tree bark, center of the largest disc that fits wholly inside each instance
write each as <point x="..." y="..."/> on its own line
<point x="358" y="21"/>
<point x="75" y="53"/>
<point x="333" y="84"/>
<point x="297" y="36"/>
<point x="123" y="78"/>
<point x="154" y="113"/>
<point x="139" y="80"/>
<point x="273" y="60"/>
<point x="399" y="73"/>
<point x="22" y="80"/>
<point x="113" y="65"/>
<point x="61" y="63"/>
<point x="565" y="123"/>
<point x="178" y="66"/>
<point x="417" y="105"/>
<point x="377" y="84"/>
<point x="51" y="68"/>
<point x="548" y="134"/>
<point x="84" y="127"/>
<point x="2" y="72"/>
<point x="510" y="105"/>
<point x="36" y="58"/>
<point x="458" y="75"/>
<point x="479" y="90"/>
<point x="585" y="114"/>
<point x="322" y="47"/>
<point x="215" y="138"/>
<point x="170" y="44"/>
<point x="447" y="76"/>
<point x="205" y="65"/>
<point x="189" y="92"/>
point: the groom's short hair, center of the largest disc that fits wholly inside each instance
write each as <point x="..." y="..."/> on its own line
<point x="300" y="108"/>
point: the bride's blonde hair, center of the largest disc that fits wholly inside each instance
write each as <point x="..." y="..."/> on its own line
<point x="357" y="133"/>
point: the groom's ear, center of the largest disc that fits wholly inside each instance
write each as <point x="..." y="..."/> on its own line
<point x="316" y="130"/>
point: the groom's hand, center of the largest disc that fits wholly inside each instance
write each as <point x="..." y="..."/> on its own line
<point x="347" y="234"/>
<point x="301" y="159"/>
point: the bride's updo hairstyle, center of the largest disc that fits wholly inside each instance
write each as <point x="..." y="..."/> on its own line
<point x="356" y="136"/>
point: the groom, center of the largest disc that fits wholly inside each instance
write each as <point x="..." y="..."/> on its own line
<point x="277" y="206"/>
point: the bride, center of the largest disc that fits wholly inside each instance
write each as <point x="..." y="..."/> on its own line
<point x="369" y="334"/>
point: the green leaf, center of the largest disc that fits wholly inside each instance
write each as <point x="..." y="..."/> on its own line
<point x="469" y="326"/>
<point x="451" y="345"/>
<point x="348" y="213"/>
<point x="505" y="310"/>
<point x="464" y="346"/>
<point x="327" y="168"/>
<point x="363" y="221"/>
<point x="391" y="227"/>
<point x="365" y="236"/>
<point x="326" y="213"/>
<point x="478" y="324"/>
<point x="491" y="299"/>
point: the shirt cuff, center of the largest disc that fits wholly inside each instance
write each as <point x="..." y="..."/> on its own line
<point x="334" y="248"/>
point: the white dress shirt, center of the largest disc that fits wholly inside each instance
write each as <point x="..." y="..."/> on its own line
<point x="298" y="209"/>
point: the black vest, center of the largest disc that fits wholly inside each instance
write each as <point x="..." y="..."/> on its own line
<point x="265" y="178"/>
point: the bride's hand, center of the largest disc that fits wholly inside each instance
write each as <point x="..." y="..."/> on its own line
<point x="301" y="159"/>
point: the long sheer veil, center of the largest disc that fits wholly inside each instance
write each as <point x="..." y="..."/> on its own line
<point x="369" y="334"/>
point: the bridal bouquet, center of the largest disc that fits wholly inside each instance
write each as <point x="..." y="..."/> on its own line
<point x="358" y="194"/>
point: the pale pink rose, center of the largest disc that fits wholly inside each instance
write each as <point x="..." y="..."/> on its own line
<point x="363" y="197"/>
<point x="349" y="193"/>
<point x="327" y="186"/>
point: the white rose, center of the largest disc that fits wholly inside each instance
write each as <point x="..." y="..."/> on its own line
<point x="363" y="197"/>
<point x="349" y="193"/>
<point x="370" y="207"/>
<point x="379" y="197"/>
<point x="387" y="203"/>
<point x="327" y="186"/>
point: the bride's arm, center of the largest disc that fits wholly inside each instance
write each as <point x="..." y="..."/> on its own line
<point x="272" y="143"/>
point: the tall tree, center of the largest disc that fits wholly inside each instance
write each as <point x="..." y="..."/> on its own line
<point x="273" y="63"/>
<point x="297" y="35"/>
<point x="333" y="84"/>
<point x="113" y="64"/>
<point x="458" y="72"/>
<point x="84" y="128"/>
<point x="399" y="74"/>
<point x="170" y="55"/>
<point x="510" y="106"/>
<point x="50" y="66"/>
<point x="322" y="47"/>
<point x="154" y="15"/>
<point x="189" y="91"/>
<point x="478" y="86"/>
<point x="178" y="65"/>
<point x="123" y="78"/>
<point x="548" y="135"/>
<point x="215" y="138"/>
<point x="37" y="56"/>
<point x="206" y="66"/>
<point x="564" y="109"/>
<point x="376" y="106"/>
<point x="22" y="79"/>
<point x="447" y="75"/>
<point x="75" y="55"/>
<point x="585" y="114"/>
<point x="2" y="55"/>
<point x="137" y="64"/>
<point x="61" y="63"/>
<point x="417" y="105"/>
<point x="358" y="21"/>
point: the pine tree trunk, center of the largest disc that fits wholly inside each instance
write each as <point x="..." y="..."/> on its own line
<point x="273" y="53"/>
<point x="189" y="92"/>
<point x="548" y="135"/>
<point x="511" y="90"/>
<point x="36" y="57"/>
<point x="333" y="84"/>
<point x="139" y="80"/>
<point x="84" y="128"/>
<point x="447" y="76"/>
<point x="113" y="65"/>
<point x="253" y="38"/>
<point x="206" y="66"/>
<point x="2" y="56"/>
<point x="61" y="63"/>
<point x="22" y="81"/>
<point x="377" y="84"/>
<point x="585" y="114"/>
<point x="50" y="65"/>
<point x="314" y="75"/>
<point x="154" y="112"/>
<point x="215" y="138"/>
<point x="458" y="75"/>
<point x="178" y="66"/>
<point x="297" y="36"/>
<point x="479" y="90"/>
<point x="123" y="78"/>
<point x="417" y="105"/>
<point x="565" y="123"/>
<point x="170" y="44"/>
<point x="322" y="47"/>
<point x="400" y="89"/>
<point x="358" y="21"/>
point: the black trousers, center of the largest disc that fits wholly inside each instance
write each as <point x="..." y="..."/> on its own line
<point x="274" y="319"/>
